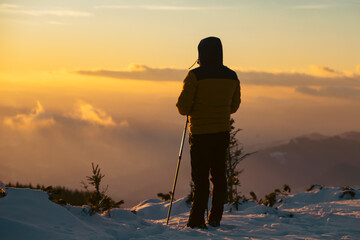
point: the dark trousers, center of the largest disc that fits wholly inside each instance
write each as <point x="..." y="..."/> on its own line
<point x="208" y="154"/>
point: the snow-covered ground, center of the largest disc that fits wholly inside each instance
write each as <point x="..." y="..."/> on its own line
<point x="319" y="214"/>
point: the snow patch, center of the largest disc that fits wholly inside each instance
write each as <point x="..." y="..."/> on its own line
<point x="280" y="156"/>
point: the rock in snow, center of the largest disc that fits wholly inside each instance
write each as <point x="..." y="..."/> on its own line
<point x="325" y="213"/>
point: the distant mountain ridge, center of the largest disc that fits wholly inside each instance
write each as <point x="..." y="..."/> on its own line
<point x="352" y="135"/>
<point x="304" y="160"/>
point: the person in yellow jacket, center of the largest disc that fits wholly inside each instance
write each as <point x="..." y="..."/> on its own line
<point x="210" y="94"/>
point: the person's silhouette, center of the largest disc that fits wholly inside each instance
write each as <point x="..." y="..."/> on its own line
<point x="210" y="94"/>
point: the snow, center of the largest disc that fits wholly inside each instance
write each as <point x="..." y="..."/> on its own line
<point x="318" y="214"/>
<point x="280" y="156"/>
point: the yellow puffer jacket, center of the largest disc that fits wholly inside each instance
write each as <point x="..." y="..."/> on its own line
<point x="209" y="95"/>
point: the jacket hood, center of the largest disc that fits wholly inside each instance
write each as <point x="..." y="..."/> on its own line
<point x="210" y="51"/>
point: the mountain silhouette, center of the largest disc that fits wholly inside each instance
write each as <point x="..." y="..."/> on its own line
<point x="305" y="160"/>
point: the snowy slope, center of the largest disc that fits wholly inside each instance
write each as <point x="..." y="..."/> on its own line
<point x="319" y="214"/>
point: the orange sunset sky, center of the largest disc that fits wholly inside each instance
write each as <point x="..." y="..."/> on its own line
<point x="97" y="81"/>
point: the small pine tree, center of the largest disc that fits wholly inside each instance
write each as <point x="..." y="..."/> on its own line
<point x="164" y="196"/>
<point x="285" y="190"/>
<point x="2" y="190"/>
<point x="271" y="198"/>
<point x="314" y="186"/>
<point x="235" y="155"/>
<point x="348" y="191"/>
<point x="98" y="201"/>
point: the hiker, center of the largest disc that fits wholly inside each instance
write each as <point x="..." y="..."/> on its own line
<point x="210" y="94"/>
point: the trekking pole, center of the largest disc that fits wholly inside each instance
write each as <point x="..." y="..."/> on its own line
<point x="177" y="169"/>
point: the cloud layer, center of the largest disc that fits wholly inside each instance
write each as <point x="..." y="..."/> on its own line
<point x="310" y="6"/>
<point x="88" y="113"/>
<point x="296" y="79"/>
<point x="17" y="9"/>
<point x="82" y="111"/>
<point x="36" y="118"/>
<point x="161" y="7"/>
<point x="135" y="157"/>
<point x="331" y="81"/>
<point x="322" y="76"/>
<point x="338" y="92"/>
<point x="139" y="72"/>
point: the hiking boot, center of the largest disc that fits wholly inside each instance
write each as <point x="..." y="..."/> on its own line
<point x="198" y="225"/>
<point x="214" y="223"/>
<point x="196" y="218"/>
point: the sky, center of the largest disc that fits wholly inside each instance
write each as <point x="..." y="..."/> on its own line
<point x="97" y="81"/>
